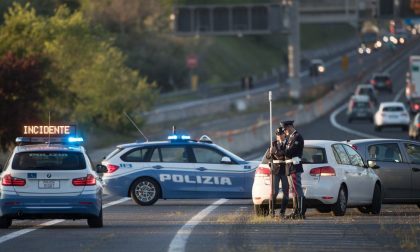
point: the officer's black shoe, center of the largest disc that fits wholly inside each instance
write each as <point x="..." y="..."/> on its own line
<point x="292" y="215"/>
<point x="283" y="216"/>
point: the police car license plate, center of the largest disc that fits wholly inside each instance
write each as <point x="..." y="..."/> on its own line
<point x="49" y="184"/>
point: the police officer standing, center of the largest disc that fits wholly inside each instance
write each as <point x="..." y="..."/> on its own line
<point x="277" y="153"/>
<point x="293" y="153"/>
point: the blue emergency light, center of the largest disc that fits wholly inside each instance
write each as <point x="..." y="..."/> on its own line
<point x="179" y="138"/>
<point x="75" y="140"/>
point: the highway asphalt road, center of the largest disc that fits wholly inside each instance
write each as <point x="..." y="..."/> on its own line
<point x="230" y="225"/>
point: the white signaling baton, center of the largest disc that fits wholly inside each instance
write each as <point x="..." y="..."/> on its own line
<point x="271" y="203"/>
<point x="270" y="98"/>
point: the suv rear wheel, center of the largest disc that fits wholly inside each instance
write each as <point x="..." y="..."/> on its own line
<point x="96" y="222"/>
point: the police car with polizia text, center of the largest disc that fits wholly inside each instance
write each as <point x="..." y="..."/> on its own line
<point x="179" y="168"/>
<point x="49" y="175"/>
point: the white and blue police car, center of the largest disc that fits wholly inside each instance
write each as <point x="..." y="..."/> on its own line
<point x="179" y="168"/>
<point x="50" y="177"/>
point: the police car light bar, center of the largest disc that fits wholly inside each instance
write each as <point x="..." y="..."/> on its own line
<point x="75" y="139"/>
<point x="176" y="137"/>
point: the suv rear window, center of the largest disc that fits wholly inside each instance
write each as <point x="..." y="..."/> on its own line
<point x="49" y="160"/>
<point x="361" y="105"/>
<point x="381" y="78"/>
<point x="393" y="109"/>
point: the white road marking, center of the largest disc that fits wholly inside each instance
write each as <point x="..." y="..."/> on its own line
<point x="398" y="96"/>
<point x="179" y="242"/>
<point x="333" y="116"/>
<point x="16" y="234"/>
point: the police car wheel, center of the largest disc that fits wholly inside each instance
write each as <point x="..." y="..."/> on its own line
<point x="261" y="210"/>
<point x="145" y="191"/>
<point x="96" y="222"/>
<point x="339" y="208"/>
<point x="5" y="222"/>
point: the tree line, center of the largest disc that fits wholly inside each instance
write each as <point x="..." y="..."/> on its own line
<point x="66" y="65"/>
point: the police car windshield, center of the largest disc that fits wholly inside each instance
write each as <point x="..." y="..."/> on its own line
<point x="49" y="160"/>
<point x="237" y="158"/>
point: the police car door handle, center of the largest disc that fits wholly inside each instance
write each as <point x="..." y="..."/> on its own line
<point x="415" y="169"/>
<point x="201" y="168"/>
<point x="157" y="167"/>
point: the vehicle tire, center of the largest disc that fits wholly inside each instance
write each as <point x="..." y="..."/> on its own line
<point x="5" y="222"/>
<point x="145" y="191"/>
<point x="96" y="222"/>
<point x="364" y="209"/>
<point x="339" y="208"/>
<point x="375" y="208"/>
<point x="324" y="208"/>
<point x="261" y="210"/>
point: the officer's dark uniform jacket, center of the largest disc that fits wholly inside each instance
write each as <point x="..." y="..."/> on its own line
<point x="277" y="154"/>
<point x="294" y="148"/>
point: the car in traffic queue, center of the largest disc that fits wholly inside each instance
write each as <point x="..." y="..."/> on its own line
<point x="381" y="81"/>
<point x="179" y="168"/>
<point x="50" y="177"/>
<point x="367" y="89"/>
<point x="398" y="163"/>
<point x="391" y="114"/>
<point x="334" y="178"/>
<point x="414" y="129"/>
<point x="414" y="105"/>
<point x="317" y="66"/>
<point x="360" y="108"/>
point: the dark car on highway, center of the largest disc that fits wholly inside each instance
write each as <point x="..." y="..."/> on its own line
<point x="398" y="163"/>
<point x="381" y="81"/>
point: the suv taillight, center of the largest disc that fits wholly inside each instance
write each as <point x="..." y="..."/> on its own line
<point x="8" y="180"/>
<point x="112" y="168"/>
<point x="373" y="82"/>
<point x="89" y="180"/>
<point x="262" y="171"/>
<point x="322" y="171"/>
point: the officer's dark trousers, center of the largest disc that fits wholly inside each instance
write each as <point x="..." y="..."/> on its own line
<point x="298" y="196"/>
<point x="284" y="189"/>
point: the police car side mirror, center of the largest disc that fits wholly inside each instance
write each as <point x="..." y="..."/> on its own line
<point x="372" y="164"/>
<point x="226" y="160"/>
<point x="101" y="168"/>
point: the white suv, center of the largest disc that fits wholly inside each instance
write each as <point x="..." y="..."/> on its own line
<point x="391" y="114"/>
